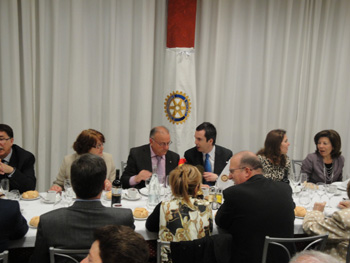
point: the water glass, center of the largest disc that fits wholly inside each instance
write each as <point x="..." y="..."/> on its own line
<point x="304" y="198"/>
<point x="320" y="189"/>
<point x="303" y="179"/>
<point x="14" y="195"/>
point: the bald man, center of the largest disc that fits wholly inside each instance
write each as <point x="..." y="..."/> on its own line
<point x="254" y="207"/>
<point x="141" y="159"/>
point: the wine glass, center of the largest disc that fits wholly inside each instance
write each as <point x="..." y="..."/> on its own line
<point x="68" y="191"/>
<point x="320" y="189"/>
<point x="330" y="192"/>
<point x="294" y="178"/>
<point x="5" y="185"/>
<point x="303" y="179"/>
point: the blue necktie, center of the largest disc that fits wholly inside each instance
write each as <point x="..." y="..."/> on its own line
<point x="207" y="165"/>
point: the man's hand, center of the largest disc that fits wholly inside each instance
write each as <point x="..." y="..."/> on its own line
<point x="319" y="206"/>
<point x="5" y="169"/>
<point x="56" y="188"/>
<point x="210" y="177"/>
<point x="344" y="204"/>
<point x="143" y="176"/>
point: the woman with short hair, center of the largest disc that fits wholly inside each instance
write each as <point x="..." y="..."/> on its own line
<point x="326" y="163"/>
<point x="88" y="141"/>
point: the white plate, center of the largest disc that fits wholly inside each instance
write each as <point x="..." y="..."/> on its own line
<point x="30" y="226"/>
<point x="144" y="191"/>
<point x="58" y="198"/>
<point x="32" y="199"/>
<point x="140" y="219"/>
<point x="126" y="197"/>
<point x="299" y="217"/>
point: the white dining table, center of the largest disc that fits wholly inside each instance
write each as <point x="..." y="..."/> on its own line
<point x="38" y="207"/>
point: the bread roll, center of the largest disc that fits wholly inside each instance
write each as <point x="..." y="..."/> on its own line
<point x="30" y="194"/>
<point x="140" y="212"/>
<point x="34" y="221"/>
<point x="300" y="211"/>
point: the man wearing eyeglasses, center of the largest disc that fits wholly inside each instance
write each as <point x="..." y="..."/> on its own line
<point x="213" y="158"/>
<point x="253" y="208"/>
<point x="141" y="159"/>
<point x="16" y="164"/>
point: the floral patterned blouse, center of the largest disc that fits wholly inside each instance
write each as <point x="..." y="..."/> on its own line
<point x="275" y="172"/>
<point x="337" y="227"/>
<point x="176" y="221"/>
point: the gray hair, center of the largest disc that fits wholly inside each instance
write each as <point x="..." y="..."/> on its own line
<point x="250" y="160"/>
<point x="312" y="256"/>
<point x="160" y="129"/>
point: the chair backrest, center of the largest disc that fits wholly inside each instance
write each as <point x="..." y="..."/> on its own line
<point x="122" y="166"/>
<point x="4" y="256"/>
<point x="296" y="166"/>
<point x="160" y="245"/>
<point x="316" y="243"/>
<point x="65" y="253"/>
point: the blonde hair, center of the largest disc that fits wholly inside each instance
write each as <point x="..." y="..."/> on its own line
<point x="184" y="181"/>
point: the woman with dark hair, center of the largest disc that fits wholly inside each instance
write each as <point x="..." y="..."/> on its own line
<point x="88" y="141"/>
<point x="184" y="217"/>
<point x="273" y="157"/>
<point x="326" y="163"/>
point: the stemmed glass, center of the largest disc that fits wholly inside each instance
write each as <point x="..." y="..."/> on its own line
<point x="68" y="191"/>
<point x="305" y="198"/>
<point x="330" y="191"/>
<point x="294" y="179"/>
<point x="320" y="189"/>
<point x="5" y="185"/>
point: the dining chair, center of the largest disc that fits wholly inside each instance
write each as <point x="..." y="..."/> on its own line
<point x="296" y="166"/>
<point x="315" y="243"/>
<point x="66" y="253"/>
<point x="214" y="249"/>
<point x="4" y="256"/>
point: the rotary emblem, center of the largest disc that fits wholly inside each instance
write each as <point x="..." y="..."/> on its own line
<point x="177" y="107"/>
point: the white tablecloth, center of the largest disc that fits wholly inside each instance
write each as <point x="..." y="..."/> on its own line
<point x="37" y="208"/>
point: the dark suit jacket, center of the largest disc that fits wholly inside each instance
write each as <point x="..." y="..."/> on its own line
<point x="73" y="227"/>
<point x="140" y="159"/>
<point x="23" y="178"/>
<point x="12" y="224"/>
<point x="253" y="210"/>
<point x="222" y="155"/>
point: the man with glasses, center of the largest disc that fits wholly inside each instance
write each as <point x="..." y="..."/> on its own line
<point x="254" y="207"/>
<point x="16" y="164"/>
<point x="141" y="159"/>
<point x="213" y="158"/>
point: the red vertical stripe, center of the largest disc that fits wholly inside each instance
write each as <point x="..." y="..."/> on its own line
<point x="181" y="23"/>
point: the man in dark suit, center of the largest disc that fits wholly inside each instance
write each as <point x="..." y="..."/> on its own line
<point x="254" y="207"/>
<point x="16" y="164"/>
<point x="73" y="227"/>
<point x="207" y="154"/>
<point x="12" y="224"/>
<point x="142" y="159"/>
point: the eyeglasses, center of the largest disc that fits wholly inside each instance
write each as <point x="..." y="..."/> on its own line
<point x="233" y="170"/>
<point x="162" y="144"/>
<point x="98" y="146"/>
<point x="5" y="139"/>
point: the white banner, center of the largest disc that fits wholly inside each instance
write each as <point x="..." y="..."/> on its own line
<point x="180" y="98"/>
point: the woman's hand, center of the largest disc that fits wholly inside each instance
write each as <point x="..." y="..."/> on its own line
<point x="319" y="206"/>
<point x="344" y="204"/>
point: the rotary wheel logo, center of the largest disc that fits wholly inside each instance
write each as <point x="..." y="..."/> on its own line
<point x="177" y="107"/>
